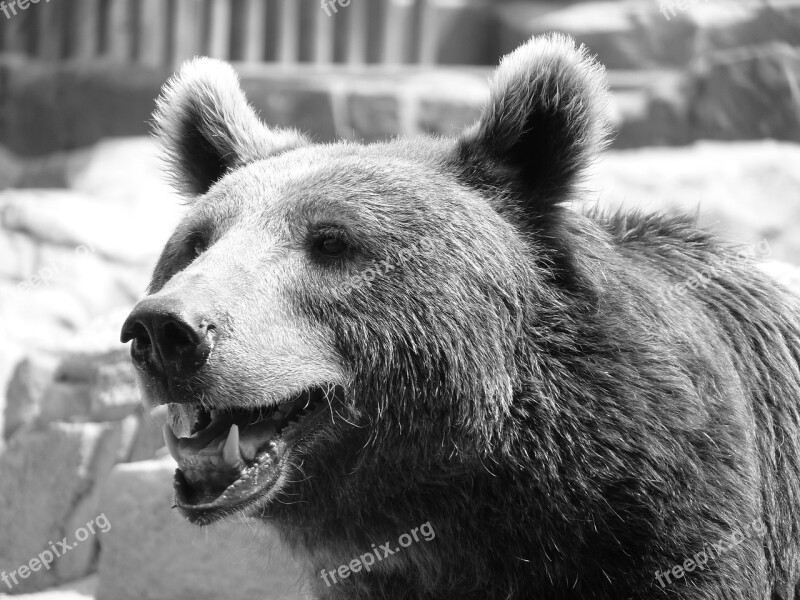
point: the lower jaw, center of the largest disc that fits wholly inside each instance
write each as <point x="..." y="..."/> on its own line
<point x="238" y="497"/>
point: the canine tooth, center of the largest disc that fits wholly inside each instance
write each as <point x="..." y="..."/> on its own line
<point x="230" y="452"/>
<point x="172" y="442"/>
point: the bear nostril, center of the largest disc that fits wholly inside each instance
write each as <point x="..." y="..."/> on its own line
<point x="141" y="346"/>
<point x="177" y="337"/>
<point x="140" y="336"/>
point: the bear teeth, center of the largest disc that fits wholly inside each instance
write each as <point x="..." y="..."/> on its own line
<point x="230" y="453"/>
<point x="231" y="456"/>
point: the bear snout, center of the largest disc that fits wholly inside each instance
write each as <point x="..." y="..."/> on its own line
<point x="170" y="338"/>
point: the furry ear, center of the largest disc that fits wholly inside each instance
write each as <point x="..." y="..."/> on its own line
<point x="543" y="124"/>
<point x="206" y="127"/>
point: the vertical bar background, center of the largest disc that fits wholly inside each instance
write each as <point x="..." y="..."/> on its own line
<point x="166" y="32"/>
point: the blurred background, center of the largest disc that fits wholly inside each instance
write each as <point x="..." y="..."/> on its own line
<point x="706" y="114"/>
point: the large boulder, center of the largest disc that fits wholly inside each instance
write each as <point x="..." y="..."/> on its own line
<point x="152" y="553"/>
<point x="148" y="436"/>
<point x="746" y="94"/>
<point x="643" y="35"/>
<point x="47" y="106"/>
<point x="104" y="384"/>
<point x="29" y="381"/>
<point x="47" y="478"/>
<point x="724" y="25"/>
<point x="81" y="589"/>
<point x="624" y="35"/>
<point x="78" y="387"/>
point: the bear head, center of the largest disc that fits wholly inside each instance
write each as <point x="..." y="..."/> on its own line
<point x="346" y="325"/>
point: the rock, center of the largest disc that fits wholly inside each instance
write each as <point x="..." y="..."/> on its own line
<point x="45" y="322"/>
<point x="287" y="104"/>
<point x="298" y="97"/>
<point x="51" y="216"/>
<point x="747" y="93"/>
<point x="97" y="335"/>
<point x="113" y="394"/>
<point x="151" y="552"/>
<point x="149" y="438"/>
<point x="43" y="318"/>
<point x="51" y="106"/>
<point x="65" y="401"/>
<point x="642" y="35"/>
<point x="82" y="589"/>
<point x="624" y="35"/>
<point x="82" y="224"/>
<point x="129" y="173"/>
<point x="729" y="25"/>
<point x="649" y="108"/>
<point x="29" y="381"/>
<point x="19" y="252"/>
<point x="46" y="479"/>
<point x="91" y="387"/>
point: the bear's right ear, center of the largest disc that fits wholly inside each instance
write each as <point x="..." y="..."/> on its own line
<point x="544" y="122"/>
<point x="206" y="127"/>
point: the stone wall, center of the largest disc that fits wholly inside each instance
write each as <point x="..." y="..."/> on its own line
<point x="713" y="70"/>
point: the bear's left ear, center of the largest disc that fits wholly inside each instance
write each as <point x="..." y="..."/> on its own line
<point x="206" y="127"/>
<point x="543" y="124"/>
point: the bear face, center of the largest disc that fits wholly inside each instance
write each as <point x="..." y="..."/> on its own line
<point x="355" y="340"/>
<point x="258" y="272"/>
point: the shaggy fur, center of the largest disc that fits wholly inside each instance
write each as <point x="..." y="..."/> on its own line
<point x="528" y="386"/>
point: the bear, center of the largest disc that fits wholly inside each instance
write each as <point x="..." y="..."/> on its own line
<point x="439" y="373"/>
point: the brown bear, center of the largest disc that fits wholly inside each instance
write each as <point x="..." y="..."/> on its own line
<point x="440" y="378"/>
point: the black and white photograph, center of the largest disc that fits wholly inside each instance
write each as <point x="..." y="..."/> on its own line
<point x="400" y="299"/>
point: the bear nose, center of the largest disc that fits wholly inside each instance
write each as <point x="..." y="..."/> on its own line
<point x="168" y="338"/>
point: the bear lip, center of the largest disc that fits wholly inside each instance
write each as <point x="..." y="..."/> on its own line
<point x="232" y="458"/>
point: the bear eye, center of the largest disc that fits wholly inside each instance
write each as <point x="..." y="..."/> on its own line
<point x="197" y="246"/>
<point x="331" y="246"/>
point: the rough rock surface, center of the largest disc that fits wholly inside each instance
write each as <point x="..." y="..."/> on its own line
<point x="46" y="482"/>
<point x="152" y="553"/>
<point x="746" y="93"/>
<point x="640" y="35"/>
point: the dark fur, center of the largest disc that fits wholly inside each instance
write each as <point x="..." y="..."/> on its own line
<point x="529" y="388"/>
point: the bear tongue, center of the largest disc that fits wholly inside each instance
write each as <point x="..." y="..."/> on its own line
<point x="220" y="460"/>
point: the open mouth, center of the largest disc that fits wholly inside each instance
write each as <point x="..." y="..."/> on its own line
<point x="230" y="458"/>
